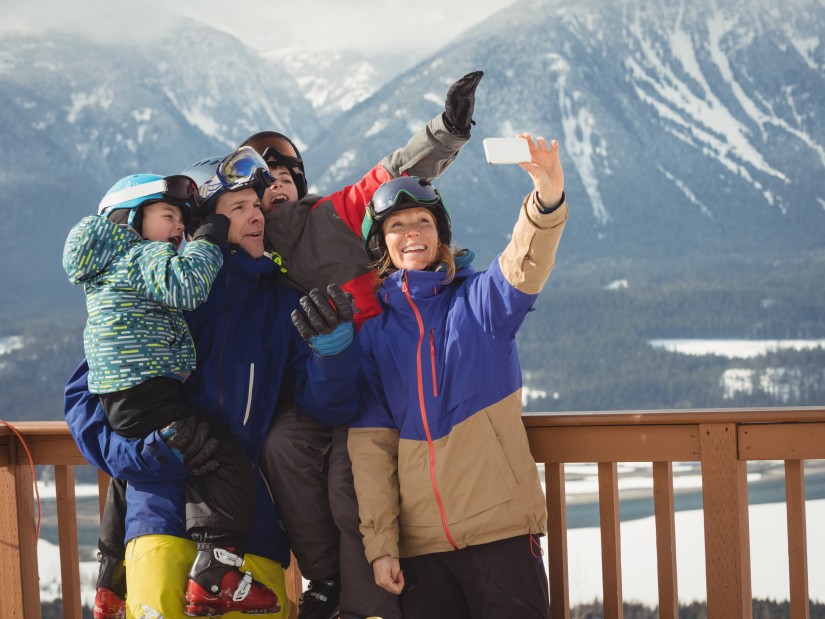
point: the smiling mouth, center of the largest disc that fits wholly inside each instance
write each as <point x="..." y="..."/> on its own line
<point x="413" y="248"/>
<point x="175" y="240"/>
<point x="280" y="199"/>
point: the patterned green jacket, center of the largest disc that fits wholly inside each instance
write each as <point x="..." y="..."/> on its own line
<point x="135" y="293"/>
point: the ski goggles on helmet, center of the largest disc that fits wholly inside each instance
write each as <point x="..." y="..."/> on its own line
<point x="402" y="191"/>
<point x="243" y="169"/>
<point x="178" y="190"/>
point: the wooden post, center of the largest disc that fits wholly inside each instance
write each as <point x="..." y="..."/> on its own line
<point x="797" y="538"/>
<point x="611" y="540"/>
<point x="557" y="540"/>
<point x="727" y="535"/>
<point x="19" y="580"/>
<point x="294" y="586"/>
<point x="67" y="539"/>
<point x="665" y="540"/>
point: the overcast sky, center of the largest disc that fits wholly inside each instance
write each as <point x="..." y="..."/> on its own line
<point x="363" y="25"/>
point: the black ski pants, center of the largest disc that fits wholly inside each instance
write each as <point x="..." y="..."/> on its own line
<point x="499" y="580"/>
<point x="218" y="505"/>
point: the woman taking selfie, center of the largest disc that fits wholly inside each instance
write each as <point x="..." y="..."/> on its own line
<point x="450" y="501"/>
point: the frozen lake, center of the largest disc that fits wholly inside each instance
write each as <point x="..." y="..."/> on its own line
<point x="733" y="349"/>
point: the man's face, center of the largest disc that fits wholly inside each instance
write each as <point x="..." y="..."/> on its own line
<point x="282" y="190"/>
<point x="246" y="227"/>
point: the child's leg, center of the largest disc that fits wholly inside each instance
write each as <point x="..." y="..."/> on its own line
<point x="156" y="568"/>
<point x="219" y="508"/>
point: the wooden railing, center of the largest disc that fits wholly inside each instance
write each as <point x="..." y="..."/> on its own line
<point x="723" y="441"/>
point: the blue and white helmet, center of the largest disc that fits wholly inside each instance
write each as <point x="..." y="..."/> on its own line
<point x="132" y="192"/>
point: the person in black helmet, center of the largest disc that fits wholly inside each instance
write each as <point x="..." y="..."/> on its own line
<point x="249" y="357"/>
<point x="450" y="503"/>
<point x="318" y="240"/>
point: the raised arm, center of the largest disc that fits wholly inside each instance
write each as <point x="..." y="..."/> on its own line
<point x="504" y="294"/>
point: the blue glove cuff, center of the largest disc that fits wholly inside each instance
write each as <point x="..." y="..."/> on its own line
<point x="331" y="344"/>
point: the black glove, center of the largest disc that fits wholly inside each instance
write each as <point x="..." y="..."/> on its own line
<point x="327" y="323"/>
<point x="189" y="439"/>
<point x="458" y="108"/>
<point x="213" y="228"/>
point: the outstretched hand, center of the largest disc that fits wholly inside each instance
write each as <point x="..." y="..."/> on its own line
<point x="460" y="103"/>
<point x="326" y="323"/>
<point x="545" y="169"/>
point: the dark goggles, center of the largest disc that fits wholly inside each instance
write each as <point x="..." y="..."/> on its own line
<point x="181" y="191"/>
<point x="276" y="149"/>
<point x="400" y="191"/>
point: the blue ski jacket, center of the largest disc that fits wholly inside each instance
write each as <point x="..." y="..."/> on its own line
<point x="439" y="453"/>
<point x="250" y="357"/>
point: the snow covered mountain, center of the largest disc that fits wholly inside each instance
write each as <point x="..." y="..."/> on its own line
<point x="334" y="82"/>
<point x="79" y="114"/>
<point x="687" y="129"/>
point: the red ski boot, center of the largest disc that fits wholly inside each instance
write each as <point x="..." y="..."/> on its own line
<point x="110" y="592"/>
<point x="217" y="587"/>
<point x="108" y="605"/>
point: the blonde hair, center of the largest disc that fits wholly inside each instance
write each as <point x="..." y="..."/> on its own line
<point x="445" y="258"/>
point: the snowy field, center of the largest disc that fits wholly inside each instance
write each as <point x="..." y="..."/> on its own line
<point x="769" y="553"/>
<point x="733" y="349"/>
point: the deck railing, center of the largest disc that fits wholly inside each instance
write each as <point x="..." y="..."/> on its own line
<point x="723" y="441"/>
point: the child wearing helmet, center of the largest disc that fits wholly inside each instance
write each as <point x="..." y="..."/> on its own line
<point x="318" y="241"/>
<point x="450" y="502"/>
<point x="139" y="352"/>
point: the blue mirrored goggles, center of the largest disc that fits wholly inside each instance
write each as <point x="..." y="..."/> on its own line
<point x="241" y="170"/>
<point x="399" y="191"/>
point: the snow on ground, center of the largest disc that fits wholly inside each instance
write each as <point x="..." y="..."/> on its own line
<point x="769" y="557"/>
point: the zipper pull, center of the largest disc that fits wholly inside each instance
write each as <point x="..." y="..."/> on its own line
<point x="404" y="282"/>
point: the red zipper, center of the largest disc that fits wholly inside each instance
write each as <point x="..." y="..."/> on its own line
<point x="432" y="363"/>
<point x="423" y="407"/>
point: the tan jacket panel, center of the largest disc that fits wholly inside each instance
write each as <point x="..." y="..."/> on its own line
<point x="486" y="478"/>
<point x="531" y="253"/>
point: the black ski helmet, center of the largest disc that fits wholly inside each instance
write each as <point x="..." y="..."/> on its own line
<point x="275" y="148"/>
<point x="398" y="194"/>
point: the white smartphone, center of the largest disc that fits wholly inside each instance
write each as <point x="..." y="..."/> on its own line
<point x="506" y="150"/>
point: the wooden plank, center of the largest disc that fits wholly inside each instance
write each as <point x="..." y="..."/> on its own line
<point x="67" y="539"/>
<point x="615" y="444"/>
<point x="611" y="540"/>
<point x="782" y="441"/>
<point x="665" y="540"/>
<point x="797" y="538"/>
<point x="725" y="500"/>
<point x="557" y="541"/>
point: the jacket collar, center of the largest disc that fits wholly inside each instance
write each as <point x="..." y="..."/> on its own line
<point x="421" y="285"/>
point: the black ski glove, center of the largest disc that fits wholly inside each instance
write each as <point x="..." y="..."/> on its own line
<point x="458" y="108"/>
<point x="213" y="228"/>
<point x="189" y="439"/>
<point x="327" y="323"/>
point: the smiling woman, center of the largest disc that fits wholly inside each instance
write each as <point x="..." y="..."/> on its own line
<point x="463" y="528"/>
